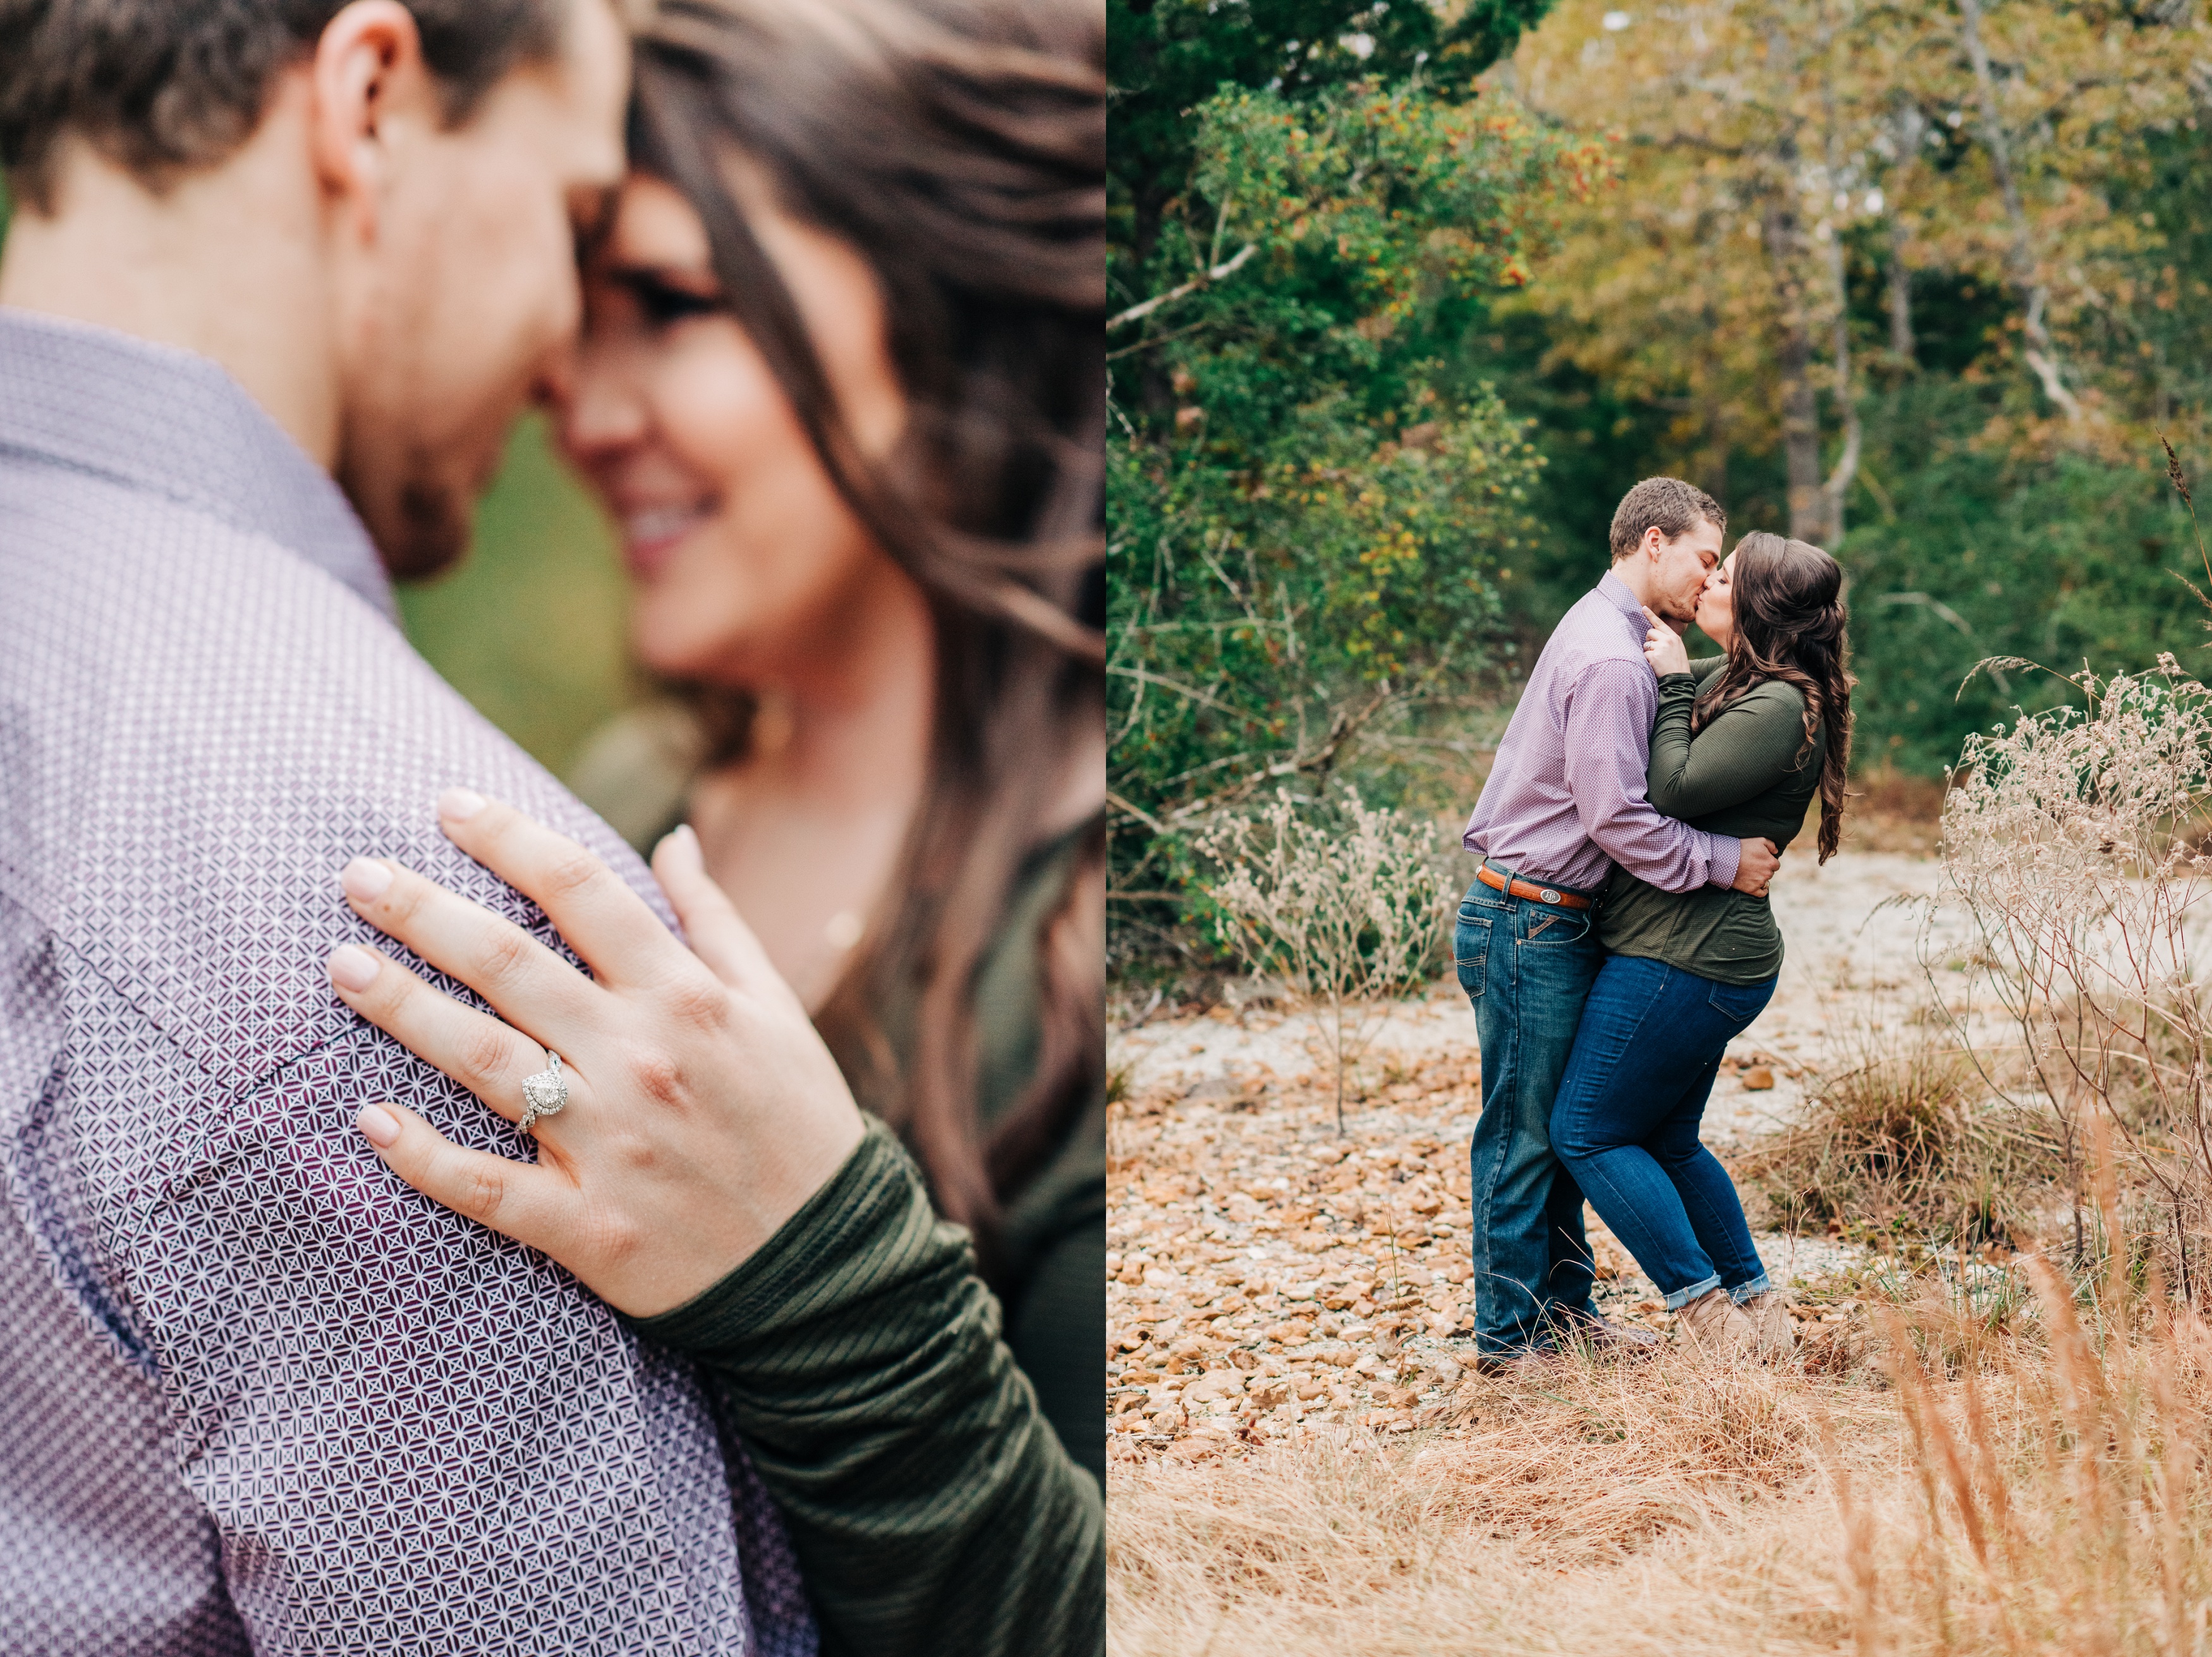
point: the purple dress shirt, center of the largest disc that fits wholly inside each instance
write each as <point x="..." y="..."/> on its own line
<point x="1565" y="798"/>
<point x="260" y="1396"/>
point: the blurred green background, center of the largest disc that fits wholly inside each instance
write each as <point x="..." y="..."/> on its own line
<point x="530" y="628"/>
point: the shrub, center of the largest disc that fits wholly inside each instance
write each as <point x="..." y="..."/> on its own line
<point x="1901" y="1134"/>
<point x="2060" y="850"/>
<point x="1348" y="912"/>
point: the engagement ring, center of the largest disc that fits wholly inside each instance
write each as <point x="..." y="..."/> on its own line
<point x="546" y="1092"/>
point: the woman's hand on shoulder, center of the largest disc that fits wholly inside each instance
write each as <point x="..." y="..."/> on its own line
<point x="703" y="1109"/>
<point x="1663" y="648"/>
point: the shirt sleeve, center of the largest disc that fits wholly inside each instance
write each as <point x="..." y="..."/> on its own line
<point x="932" y="1508"/>
<point x="409" y="1433"/>
<point x="1607" y="726"/>
<point x="1752" y="744"/>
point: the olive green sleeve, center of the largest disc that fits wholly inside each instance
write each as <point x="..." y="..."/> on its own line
<point x="931" y="1504"/>
<point x="1752" y="744"/>
<point x="1057" y="1331"/>
<point x="1054" y="1229"/>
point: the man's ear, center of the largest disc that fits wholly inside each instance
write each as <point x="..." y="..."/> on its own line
<point x="368" y="79"/>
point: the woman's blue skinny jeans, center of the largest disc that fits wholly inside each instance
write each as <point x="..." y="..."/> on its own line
<point x="1625" y="1123"/>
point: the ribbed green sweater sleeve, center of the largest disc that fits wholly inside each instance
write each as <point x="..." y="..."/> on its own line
<point x="1752" y="744"/>
<point x="932" y="1508"/>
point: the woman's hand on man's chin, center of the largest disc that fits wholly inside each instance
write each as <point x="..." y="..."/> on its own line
<point x="702" y="1111"/>
<point x="1663" y="648"/>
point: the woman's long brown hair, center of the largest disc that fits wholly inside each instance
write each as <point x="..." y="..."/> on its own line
<point x="959" y="146"/>
<point x="1791" y="625"/>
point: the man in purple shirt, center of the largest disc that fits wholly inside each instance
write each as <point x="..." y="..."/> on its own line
<point x="261" y="1396"/>
<point x="1565" y="802"/>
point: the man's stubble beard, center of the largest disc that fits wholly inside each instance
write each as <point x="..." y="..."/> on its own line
<point x="420" y="520"/>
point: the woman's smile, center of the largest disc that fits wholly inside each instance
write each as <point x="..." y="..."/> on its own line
<point x="651" y="534"/>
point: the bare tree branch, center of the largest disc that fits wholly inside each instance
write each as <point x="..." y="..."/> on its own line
<point x="1219" y="272"/>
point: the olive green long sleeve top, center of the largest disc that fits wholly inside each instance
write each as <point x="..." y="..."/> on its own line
<point x="1050" y="1254"/>
<point x="860" y="1358"/>
<point x="1748" y="774"/>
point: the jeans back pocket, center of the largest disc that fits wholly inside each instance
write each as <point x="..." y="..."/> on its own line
<point x="1471" y="951"/>
<point x="1741" y="1003"/>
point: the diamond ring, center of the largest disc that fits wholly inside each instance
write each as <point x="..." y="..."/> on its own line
<point x="546" y="1093"/>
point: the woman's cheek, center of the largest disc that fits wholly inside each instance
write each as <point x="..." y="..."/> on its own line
<point x="719" y="408"/>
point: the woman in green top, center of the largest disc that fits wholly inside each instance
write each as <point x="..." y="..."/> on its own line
<point x="1742" y="745"/>
<point x="842" y="387"/>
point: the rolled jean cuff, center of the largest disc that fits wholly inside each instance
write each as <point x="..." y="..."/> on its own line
<point x="1682" y="1297"/>
<point x="1744" y="1292"/>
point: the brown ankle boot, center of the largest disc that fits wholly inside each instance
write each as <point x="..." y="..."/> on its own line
<point x="1772" y="1323"/>
<point x="1715" y="1328"/>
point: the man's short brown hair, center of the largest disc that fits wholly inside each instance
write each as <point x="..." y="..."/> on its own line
<point x="165" y="86"/>
<point x="1666" y="504"/>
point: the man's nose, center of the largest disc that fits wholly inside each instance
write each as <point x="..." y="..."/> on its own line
<point x="556" y="383"/>
<point x="599" y="408"/>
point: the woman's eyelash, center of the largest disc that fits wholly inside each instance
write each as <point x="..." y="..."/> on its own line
<point x="664" y="304"/>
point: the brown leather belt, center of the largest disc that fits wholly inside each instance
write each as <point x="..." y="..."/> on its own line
<point x="1553" y="894"/>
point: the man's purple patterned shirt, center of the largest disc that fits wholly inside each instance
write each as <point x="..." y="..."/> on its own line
<point x="260" y="1395"/>
<point x="1565" y="799"/>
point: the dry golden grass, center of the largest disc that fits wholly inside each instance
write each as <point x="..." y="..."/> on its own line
<point x="2022" y="1482"/>
<point x="1483" y="1540"/>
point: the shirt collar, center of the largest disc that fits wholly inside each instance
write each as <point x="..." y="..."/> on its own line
<point x="176" y="424"/>
<point x="1617" y="594"/>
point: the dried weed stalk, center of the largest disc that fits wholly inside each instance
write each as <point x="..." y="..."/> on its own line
<point x="2062" y="847"/>
<point x="1349" y="908"/>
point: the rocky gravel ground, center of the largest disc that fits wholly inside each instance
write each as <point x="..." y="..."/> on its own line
<point x="1268" y="1276"/>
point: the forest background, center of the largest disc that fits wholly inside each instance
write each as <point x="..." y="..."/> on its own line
<point x="1405" y="295"/>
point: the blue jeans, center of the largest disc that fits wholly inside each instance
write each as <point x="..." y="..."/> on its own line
<point x="1627" y="1123"/>
<point x="1525" y="966"/>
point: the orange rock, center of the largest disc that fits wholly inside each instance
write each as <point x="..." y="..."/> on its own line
<point x="1758" y="1079"/>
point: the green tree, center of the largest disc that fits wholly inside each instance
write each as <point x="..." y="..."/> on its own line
<point x="1308" y="545"/>
<point x="1165" y="57"/>
<point x="1762" y="142"/>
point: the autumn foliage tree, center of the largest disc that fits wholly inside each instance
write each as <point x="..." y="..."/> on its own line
<point x="1761" y="139"/>
<point x="1922" y="284"/>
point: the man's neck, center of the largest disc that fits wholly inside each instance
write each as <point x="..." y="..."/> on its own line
<point x="1625" y="572"/>
<point x="216" y="265"/>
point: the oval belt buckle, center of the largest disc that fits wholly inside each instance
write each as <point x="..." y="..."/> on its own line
<point x="1548" y="895"/>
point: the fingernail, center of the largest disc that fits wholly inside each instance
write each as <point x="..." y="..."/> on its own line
<point x="365" y="879"/>
<point x="460" y="804"/>
<point x="379" y="1124"/>
<point x="352" y="967"/>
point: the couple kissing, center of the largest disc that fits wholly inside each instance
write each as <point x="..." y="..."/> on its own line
<point x="1617" y="935"/>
